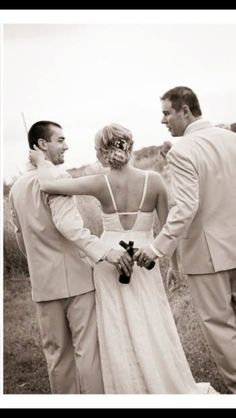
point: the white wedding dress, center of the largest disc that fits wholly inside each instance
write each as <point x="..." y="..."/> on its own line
<point x="139" y="345"/>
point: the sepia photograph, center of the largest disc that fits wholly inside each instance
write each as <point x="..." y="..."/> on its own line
<point x="118" y="217"/>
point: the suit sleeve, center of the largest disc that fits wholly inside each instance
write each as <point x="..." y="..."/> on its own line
<point x="17" y="228"/>
<point x="69" y="223"/>
<point x="185" y="190"/>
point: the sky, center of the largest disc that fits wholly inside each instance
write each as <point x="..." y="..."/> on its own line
<point x="86" y="75"/>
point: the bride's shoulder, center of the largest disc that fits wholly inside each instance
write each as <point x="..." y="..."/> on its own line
<point x="154" y="175"/>
<point x="155" y="182"/>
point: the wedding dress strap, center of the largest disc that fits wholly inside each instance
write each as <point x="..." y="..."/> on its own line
<point x="111" y="194"/>
<point x="142" y="199"/>
<point x="144" y="191"/>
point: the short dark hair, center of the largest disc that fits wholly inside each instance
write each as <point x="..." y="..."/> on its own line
<point x="41" y="129"/>
<point x="180" y="96"/>
<point x="233" y="127"/>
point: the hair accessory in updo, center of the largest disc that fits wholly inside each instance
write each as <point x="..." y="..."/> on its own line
<point x="121" y="143"/>
<point x="117" y="157"/>
<point x="114" y="145"/>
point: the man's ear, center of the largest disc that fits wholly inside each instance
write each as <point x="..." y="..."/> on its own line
<point x="186" y="110"/>
<point x="42" y="144"/>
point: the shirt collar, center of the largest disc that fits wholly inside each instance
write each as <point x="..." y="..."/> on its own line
<point x="30" y="166"/>
<point x="197" y="125"/>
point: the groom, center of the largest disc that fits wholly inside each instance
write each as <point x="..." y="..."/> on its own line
<point x="203" y="221"/>
<point x="50" y="233"/>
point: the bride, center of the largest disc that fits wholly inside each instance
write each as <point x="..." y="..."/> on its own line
<point x="139" y="345"/>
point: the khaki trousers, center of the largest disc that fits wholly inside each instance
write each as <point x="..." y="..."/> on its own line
<point x="69" y="336"/>
<point x="214" y="298"/>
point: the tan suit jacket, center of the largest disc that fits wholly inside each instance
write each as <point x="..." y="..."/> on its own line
<point x="203" y="182"/>
<point x="50" y="233"/>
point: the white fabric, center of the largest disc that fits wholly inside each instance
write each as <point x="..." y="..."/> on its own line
<point x="139" y="344"/>
<point x="50" y="232"/>
<point x="144" y="190"/>
<point x="111" y="193"/>
<point x="202" y="221"/>
<point x="157" y="252"/>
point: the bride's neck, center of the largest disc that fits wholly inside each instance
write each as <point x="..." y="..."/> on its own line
<point x="122" y="170"/>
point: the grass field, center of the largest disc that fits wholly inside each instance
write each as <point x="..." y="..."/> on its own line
<point x="24" y="364"/>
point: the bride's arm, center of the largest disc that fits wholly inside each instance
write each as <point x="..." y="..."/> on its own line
<point x="88" y="185"/>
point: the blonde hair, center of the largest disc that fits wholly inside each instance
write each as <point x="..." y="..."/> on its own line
<point x="115" y="144"/>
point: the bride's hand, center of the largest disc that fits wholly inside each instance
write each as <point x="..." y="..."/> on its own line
<point x="36" y="156"/>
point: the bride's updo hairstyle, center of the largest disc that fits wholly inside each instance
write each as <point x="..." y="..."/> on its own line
<point x="114" y="145"/>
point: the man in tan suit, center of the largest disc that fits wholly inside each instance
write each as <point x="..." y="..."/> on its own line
<point x="50" y="233"/>
<point x="203" y="221"/>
